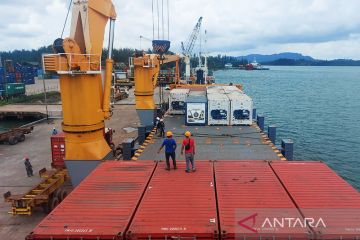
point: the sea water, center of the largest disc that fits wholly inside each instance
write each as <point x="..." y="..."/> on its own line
<point x="317" y="107"/>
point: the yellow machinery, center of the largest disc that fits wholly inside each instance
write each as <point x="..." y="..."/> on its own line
<point x="146" y="71"/>
<point x="176" y="59"/>
<point x="85" y="97"/>
<point x="47" y="194"/>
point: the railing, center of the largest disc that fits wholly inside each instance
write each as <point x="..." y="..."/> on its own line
<point x="63" y="63"/>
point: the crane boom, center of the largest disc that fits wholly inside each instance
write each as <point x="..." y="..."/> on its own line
<point x="190" y="43"/>
<point x="85" y="96"/>
<point x="186" y="51"/>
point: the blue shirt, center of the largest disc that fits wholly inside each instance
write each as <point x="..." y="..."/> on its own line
<point x="170" y="145"/>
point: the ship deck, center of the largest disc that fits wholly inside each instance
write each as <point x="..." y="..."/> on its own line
<point x="215" y="142"/>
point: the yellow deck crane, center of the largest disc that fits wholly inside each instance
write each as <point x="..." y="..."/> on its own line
<point x="146" y="71"/>
<point x="85" y="97"/>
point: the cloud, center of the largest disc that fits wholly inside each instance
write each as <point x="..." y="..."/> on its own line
<point x="320" y="28"/>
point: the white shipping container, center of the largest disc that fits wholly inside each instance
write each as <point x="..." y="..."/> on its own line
<point x="241" y="109"/>
<point x="177" y="101"/>
<point x="197" y="93"/>
<point x="218" y="109"/>
<point x="230" y="89"/>
<point x="214" y="89"/>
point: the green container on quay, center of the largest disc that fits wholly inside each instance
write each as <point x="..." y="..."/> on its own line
<point x="14" y="89"/>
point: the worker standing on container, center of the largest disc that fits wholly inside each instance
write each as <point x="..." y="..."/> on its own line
<point x="189" y="146"/>
<point x="170" y="148"/>
<point x="54" y="131"/>
<point x="28" y="167"/>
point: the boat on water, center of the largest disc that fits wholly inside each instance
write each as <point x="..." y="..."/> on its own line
<point x="255" y="66"/>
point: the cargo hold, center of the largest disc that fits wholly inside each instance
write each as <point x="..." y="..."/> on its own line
<point x="248" y="192"/>
<point x="320" y="193"/>
<point x="101" y="206"/>
<point x="177" y="205"/>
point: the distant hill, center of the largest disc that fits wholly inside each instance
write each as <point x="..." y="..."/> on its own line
<point x="301" y="62"/>
<point x="273" y="57"/>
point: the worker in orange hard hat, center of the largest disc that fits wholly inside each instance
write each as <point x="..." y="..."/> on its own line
<point x="189" y="147"/>
<point x="170" y="148"/>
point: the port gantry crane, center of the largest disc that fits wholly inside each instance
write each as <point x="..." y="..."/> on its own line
<point x="85" y="99"/>
<point x="189" y="46"/>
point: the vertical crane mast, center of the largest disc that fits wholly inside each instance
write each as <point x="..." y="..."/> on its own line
<point x="85" y="97"/>
<point x="189" y="46"/>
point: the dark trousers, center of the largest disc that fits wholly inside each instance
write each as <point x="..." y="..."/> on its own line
<point x="29" y="171"/>
<point x="173" y="157"/>
<point x="161" y="132"/>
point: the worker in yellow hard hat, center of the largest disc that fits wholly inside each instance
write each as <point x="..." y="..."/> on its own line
<point x="189" y="147"/>
<point x="170" y="148"/>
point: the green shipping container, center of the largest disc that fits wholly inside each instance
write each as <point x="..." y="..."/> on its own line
<point x="14" y="89"/>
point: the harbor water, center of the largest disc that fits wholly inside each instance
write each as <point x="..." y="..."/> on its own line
<point x="317" y="107"/>
<point x="6" y="124"/>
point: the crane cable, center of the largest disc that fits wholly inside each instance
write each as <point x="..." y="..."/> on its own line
<point x="67" y="15"/>
<point x="168" y="20"/>
<point x="152" y="12"/>
<point x="158" y="17"/>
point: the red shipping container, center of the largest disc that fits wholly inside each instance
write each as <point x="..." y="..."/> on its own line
<point x="58" y="150"/>
<point x="320" y="193"/>
<point x="101" y="206"/>
<point x="251" y="199"/>
<point x="177" y="205"/>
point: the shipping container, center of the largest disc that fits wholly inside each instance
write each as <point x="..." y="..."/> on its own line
<point x="14" y="89"/>
<point x="197" y="93"/>
<point x="214" y="89"/>
<point x="58" y="150"/>
<point x="196" y="110"/>
<point x="177" y="100"/>
<point x="231" y="89"/>
<point x="320" y="193"/>
<point x="10" y="78"/>
<point x="40" y="73"/>
<point x="177" y="205"/>
<point x="2" y="75"/>
<point x="241" y="108"/>
<point x="249" y="194"/>
<point x="102" y="206"/>
<point x="218" y="109"/>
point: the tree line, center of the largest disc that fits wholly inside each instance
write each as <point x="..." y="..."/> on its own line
<point x="121" y="55"/>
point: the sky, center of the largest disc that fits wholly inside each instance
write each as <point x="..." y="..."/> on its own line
<point x="323" y="29"/>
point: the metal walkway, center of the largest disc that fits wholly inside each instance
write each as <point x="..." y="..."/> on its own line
<point x="216" y="142"/>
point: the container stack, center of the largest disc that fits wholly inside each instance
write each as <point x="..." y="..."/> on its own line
<point x="25" y="74"/>
<point x="218" y="105"/>
<point x="177" y="100"/>
<point x="2" y="81"/>
<point x="196" y="108"/>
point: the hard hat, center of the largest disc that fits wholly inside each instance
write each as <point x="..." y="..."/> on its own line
<point x="187" y="134"/>
<point x="158" y="118"/>
<point x="169" y="134"/>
